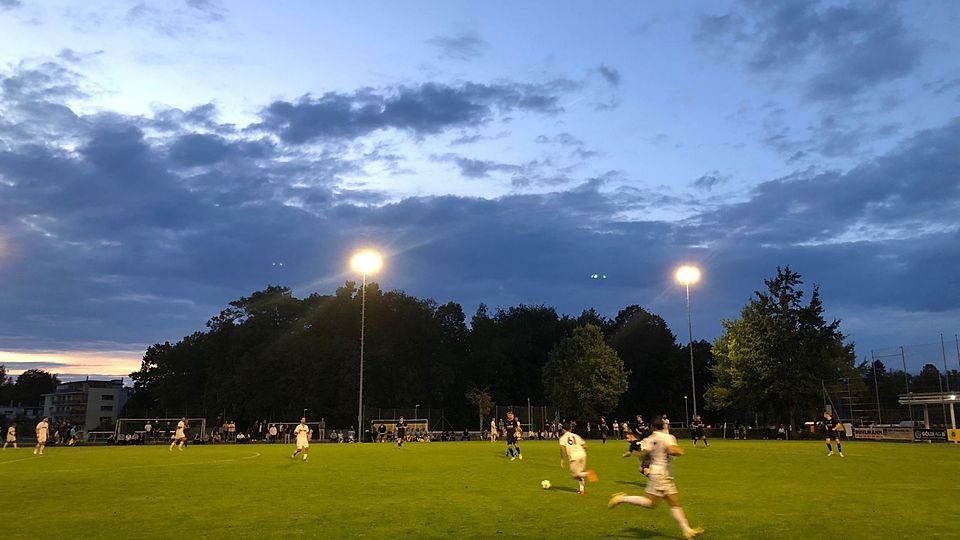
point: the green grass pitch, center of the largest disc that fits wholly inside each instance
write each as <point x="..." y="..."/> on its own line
<point x="735" y="489"/>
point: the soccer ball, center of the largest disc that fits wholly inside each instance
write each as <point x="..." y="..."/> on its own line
<point x="545" y="484"/>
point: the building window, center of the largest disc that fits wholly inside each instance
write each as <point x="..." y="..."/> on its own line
<point x="106" y="408"/>
<point x="107" y="397"/>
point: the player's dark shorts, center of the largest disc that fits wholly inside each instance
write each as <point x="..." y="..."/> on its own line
<point x="511" y="438"/>
<point x="831" y="434"/>
<point x="699" y="434"/>
<point x="401" y="433"/>
<point x="635" y="445"/>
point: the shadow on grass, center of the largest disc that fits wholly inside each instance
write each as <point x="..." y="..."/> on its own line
<point x="638" y="532"/>
<point x="564" y="488"/>
<point x="638" y="484"/>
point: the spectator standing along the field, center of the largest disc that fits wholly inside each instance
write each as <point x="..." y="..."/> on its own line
<point x="322" y="427"/>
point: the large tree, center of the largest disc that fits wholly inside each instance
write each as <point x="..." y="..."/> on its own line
<point x="584" y="376"/>
<point x="659" y="373"/>
<point x="32" y="384"/>
<point x="773" y="359"/>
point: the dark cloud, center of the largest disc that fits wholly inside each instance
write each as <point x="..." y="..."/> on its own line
<point x="467" y="46"/>
<point x="476" y="168"/>
<point x="211" y="9"/>
<point x="425" y="109"/>
<point x="137" y="230"/>
<point x="175" y="19"/>
<point x="848" y="48"/>
<point x="943" y="85"/>
<point x="205" y="149"/>
<point x="609" y="74"/>
<point x="10" y="4"/>
<point x="888" y="196"/>
<point x="709" y="180"/>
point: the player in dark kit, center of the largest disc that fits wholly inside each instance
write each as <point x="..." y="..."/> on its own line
<point x="697" y="431"/>
<point x="514" y="433"/>
<point x="641" y="429"/>
<point x="831" y="429"/>
<point x="604" y="428"/>
<point x="401" y="432"/>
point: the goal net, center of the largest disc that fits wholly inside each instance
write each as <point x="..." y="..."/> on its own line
<point x="156" y="430"/>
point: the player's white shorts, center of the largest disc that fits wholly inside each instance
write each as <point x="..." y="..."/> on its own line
<point x="661" y="484"/>
<point x="303" y="444"/>
<point x="41" y="440"/>
<point x="11" y="438"/>
<point x="577" y="467"/>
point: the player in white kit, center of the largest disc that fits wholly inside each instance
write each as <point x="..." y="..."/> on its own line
<point x="661" y="447"/>
<point x="43" y="429"/>
<point x="573" y="449"/>
<point x="179" y="438"/>
<point x="302" y="432"/>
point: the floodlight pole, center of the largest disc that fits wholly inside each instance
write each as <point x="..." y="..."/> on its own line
<point x="693" y="380"/>
<point x="363" y="320"/>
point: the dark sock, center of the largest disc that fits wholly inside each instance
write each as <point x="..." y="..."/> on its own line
<point x="829" y="447"/>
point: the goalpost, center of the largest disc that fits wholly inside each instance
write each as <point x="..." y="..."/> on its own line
<point x="158" y="430"/>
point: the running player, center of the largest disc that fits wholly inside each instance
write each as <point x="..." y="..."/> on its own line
<point x="11" y="436"/>
<point x="43" y="429"/>
<point x="302" y="432"/>
<point x="401" y="432"/>
<point x="831" y="429"/>
<point x="573" y="449"/>
<point x="661" y="446"/>
<point x="514" y="434"/>
<point x="697" y="431"/>
<point x="179" y="438"/>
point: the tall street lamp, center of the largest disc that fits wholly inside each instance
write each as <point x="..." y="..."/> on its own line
<point x="687" y="275"/>
<point x="365" y="262"/>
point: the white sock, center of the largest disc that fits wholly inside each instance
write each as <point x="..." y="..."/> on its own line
<point x="681" y="519"/>
<point x="638" y="500"/>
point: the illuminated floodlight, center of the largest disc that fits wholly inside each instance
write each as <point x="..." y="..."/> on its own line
<point x="688" y="275"/>
<point x="366" y="262"/>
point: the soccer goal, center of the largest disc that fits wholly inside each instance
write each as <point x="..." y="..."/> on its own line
<point x="156" y="430"/>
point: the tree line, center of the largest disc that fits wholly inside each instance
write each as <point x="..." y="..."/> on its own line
<point x="270" y="355"/>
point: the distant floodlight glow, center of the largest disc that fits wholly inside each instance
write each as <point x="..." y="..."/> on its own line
<point x="688" y="274"/>
<point x="367" y="261"/>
